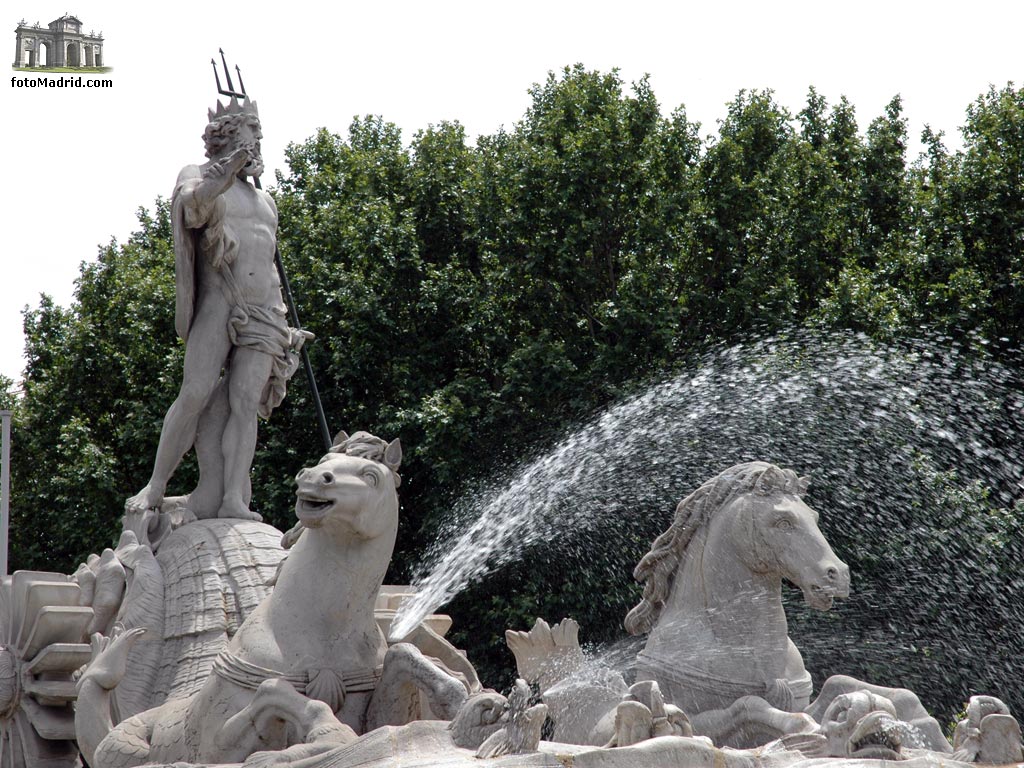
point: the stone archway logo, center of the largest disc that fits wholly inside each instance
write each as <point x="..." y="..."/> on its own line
<point x="61" y="44"/>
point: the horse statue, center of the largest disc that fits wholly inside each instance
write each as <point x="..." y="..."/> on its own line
<point x="309" y="669"/>
<point x="718" y="648"/>
<point x="712" y="601"/>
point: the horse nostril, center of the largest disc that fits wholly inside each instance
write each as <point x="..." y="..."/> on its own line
<point x="327" y="477"/>
<point x="832" y="574"/>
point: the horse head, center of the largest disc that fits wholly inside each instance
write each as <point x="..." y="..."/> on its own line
<point x="352" y="491"/>
<point x="774" y="532"/>
<point x="754" y="511"/>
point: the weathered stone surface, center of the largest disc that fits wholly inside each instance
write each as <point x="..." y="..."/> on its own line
<point x="988" y="734"/>
<point x="521" y="726"/>
<point x="578" y="695"/>
<point x="41" y="632"/>
<point x="216" y="573"/>
<point x="908" y="708"/>
<point x="190" y="597"/>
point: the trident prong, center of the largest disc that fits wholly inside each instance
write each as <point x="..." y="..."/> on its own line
<point x="241" y="85"/>
<point x="227" y="72"/>
<point x="216" y="76"/>
<point x="230" y="90"/>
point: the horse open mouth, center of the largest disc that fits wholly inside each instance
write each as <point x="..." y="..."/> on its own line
<point x="876" y="737"/>
<point x="312" y="509"/>
<point x="820" y="598"/>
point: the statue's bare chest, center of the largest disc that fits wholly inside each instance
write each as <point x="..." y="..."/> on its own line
<point x="244" y="203"/>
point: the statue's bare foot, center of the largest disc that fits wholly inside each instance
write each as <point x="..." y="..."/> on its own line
<point x="237" y="509"/>
<point x="147" y="498"/>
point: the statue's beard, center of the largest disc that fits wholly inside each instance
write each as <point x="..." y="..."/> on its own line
<point x="254" y="166"/>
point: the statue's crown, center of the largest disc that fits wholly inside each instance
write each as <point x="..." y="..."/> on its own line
<point x="239" y="103"/>
<point x="234" y="107"/>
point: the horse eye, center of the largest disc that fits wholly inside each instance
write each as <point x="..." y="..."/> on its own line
<point x="784" y="524"/>
<point x="371" y="477"/>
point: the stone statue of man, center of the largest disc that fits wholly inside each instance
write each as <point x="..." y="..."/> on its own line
<point x="239" y="350"/>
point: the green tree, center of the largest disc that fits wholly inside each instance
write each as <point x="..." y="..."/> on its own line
<point x="984" y="199"/>
<point x="97" y="379"/>
<point x="593" y="187"/>
<point x="737" y="275"/>
<point x="8" y="397"/>
<point x="871" y="289"/>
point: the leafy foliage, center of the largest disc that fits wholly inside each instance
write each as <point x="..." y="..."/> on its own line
<point x="7" y="395"/>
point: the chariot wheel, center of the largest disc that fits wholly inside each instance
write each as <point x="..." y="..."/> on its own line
<point x="42" y="628"/>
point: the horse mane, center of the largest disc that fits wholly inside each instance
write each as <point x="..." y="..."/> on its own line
<point x="657" y="569"/>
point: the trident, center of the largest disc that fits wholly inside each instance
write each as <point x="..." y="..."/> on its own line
<point x="325" y="432"/>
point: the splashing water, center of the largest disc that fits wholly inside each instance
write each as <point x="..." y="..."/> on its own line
<point x="910" y="735"/>
<point x="603" y="666"/>
<point x="879" y="428"/>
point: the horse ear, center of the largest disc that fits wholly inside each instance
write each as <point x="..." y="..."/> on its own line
<point x="339" y="439"/>
<point x="802" y="484"/>
<point x="393" y="455"/>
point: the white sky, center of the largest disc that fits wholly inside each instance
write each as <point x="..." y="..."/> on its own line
<point x="79" y="162"/>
